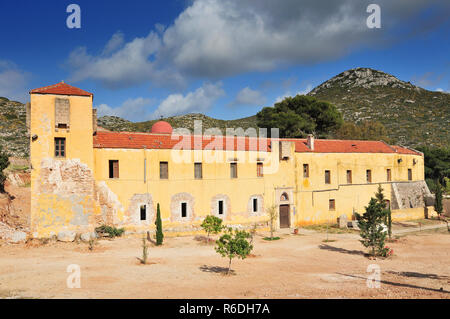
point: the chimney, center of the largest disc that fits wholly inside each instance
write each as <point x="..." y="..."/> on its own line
<point x="310" y="142"/>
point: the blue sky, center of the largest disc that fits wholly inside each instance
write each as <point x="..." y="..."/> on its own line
<point x="226" y="59"/>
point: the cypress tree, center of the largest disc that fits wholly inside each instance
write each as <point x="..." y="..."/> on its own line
<point x="158" y="223"/>
<point x="438" y="201"/>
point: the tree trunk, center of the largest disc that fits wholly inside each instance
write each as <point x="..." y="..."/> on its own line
<point x="271" y="230"/>
<point x="229" y="267"/>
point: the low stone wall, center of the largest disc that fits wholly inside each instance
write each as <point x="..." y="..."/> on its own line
<point x="446" y="206"/>
<point x="408" y="214"/>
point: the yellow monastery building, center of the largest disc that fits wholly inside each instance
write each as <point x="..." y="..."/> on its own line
<point x="84" y="176"/>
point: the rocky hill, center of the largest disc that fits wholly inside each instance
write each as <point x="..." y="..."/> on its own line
<point x="13" y="131"/>
<point x="115" y="123"/>
<point x="412" y="115"/>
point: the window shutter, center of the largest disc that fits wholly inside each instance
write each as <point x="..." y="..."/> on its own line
<point x="163" y="170"/>
<point x="116" y="169"/>
<point x="198" y="170"/>
<point x="62" y="113"/>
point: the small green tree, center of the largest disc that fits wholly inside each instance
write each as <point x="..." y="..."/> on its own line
<point x="158" y="223"/>
<point x="212" y="225"/>
<point x="4" y="163"/>
<point x="232" y="244"/>
<point x="272" y="212"/>
<point x="438" y="199"/>
<point x="371" y="230"/>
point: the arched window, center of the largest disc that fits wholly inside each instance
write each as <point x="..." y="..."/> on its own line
<point x="284" y="197"/>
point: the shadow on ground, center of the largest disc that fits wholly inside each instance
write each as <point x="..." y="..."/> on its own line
<point x="216" y="269"/>
<point x="418" y="275"/>
<point x="341" y="250"/>
<point x="398" y="284"/>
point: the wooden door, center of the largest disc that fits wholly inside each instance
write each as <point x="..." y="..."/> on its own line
<point x="284" y="216"/>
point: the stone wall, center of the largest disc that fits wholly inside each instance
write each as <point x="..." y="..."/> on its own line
<point x="409" y="195"/>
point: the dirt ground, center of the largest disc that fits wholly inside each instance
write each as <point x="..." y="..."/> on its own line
<point x="15" y="204"/>
<point x="296" y="266"/>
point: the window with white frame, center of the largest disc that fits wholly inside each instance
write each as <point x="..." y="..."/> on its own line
<point x="220" y="207"/>
<point x="183" y="210"/>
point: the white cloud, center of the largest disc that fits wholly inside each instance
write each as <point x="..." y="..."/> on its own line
<point x="247" y="96"/>
<point x="13" y="82"/>
<point x="200" y="100"/>
<point x="217" y="38"/>
<point x="440" y="90"/>
<point x="132" y="109"/>
<point x="132" y="64"/>
<point x="114" y="43"/>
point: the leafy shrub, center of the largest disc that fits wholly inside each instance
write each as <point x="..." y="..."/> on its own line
<point x="212" y="225"/>
<point x="111" y="230"/>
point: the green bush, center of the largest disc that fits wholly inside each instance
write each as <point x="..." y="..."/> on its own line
<point x="212" y="225"/>
<point x="111" y="230"/>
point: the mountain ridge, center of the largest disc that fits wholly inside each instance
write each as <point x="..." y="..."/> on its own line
<point x="365" y="94"/>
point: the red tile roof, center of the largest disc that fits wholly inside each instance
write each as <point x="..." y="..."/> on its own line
<point x="404" y="150"/>
<point x="61" y="89"/>
<point x="342" y="146"/>
<point x="165" y="141"/>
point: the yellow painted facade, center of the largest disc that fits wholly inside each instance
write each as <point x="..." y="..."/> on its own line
<point x="76" y="192"/>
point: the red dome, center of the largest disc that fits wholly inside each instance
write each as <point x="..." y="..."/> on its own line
<point x="162" y="127"/>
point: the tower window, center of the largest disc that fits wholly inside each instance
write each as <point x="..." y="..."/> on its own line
<point x="60" y="147"/>
<point x="409" y="174"/>
<point x="388" y="175"/>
